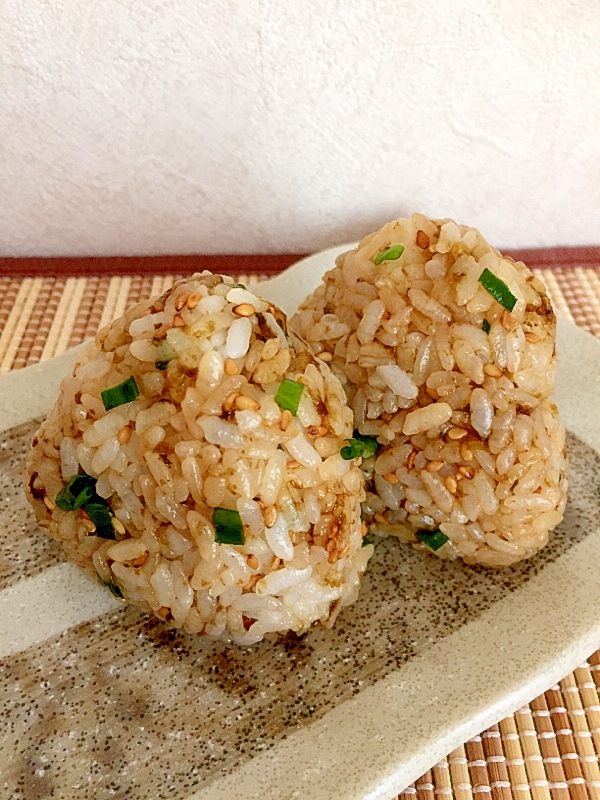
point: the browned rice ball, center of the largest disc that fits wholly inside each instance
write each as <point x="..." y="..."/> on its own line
<point x="446" y="351"/>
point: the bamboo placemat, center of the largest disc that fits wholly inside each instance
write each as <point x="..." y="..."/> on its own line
<point x="548" y="750"/>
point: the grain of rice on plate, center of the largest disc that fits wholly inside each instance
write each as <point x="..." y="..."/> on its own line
<point x="446" y="351"/>
<point x="192" y="464"/>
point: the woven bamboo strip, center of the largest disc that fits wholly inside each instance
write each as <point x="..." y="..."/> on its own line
<point x="594" y="667"/>
<point x="589" y="301"/>
<point x="10" y="292"/>
<point x="424" y="787"/>
<point x="30" y="334"/>
<point x="59" y="319"/>
<point x="162" y="283"/>
<point x="111" y="300"/>
<point x="70" y="317"/>
<point x="534" y="764"/>
<point x="8" y="320"/>
<point x="5" y="284"/>
<point x="590" y="701"/>
<point x="555" y="294"/>
<point x="410" y="792"/>
<point x="156" y="288"/>
<point x="441" y="780"/>
<point x="83" y="312"/>
<point x="12" y="323"/>
<point x="581" y="733"/>
<point x="48" y="315"/>
<point x="5" y="309"/>
<point x="593" y="285"/>
<point x="574" y="296"/>
<point x="594" y="664"/>
<point x="594" y="670"/>
<point x="549" y="748"/>
<point x="496" y="764"/>
<point x="571" y="763"/>
<point x="146" y="288"/>
<point x="478" y="770"/>
<point x="121" y="301"/>
<point x="93" y="322"/>
<point x="21" y="326"/>
<point x="459" y="774"/>
<point x="133" y="296"/>
<point x="514" y="759"/>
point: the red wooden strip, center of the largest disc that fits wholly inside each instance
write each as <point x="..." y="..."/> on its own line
<point x="557" y="256"/>
<point x="147" y="265"/>
<point x="234" y="264"/>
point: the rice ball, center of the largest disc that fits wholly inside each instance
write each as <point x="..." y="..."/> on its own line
<point x="192" y="465"/>
<point x="446" y="351"/>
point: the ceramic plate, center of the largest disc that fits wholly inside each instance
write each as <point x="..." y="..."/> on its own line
<point x="100" y="701"/>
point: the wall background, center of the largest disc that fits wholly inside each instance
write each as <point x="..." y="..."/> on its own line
<point x="178" y="126"/>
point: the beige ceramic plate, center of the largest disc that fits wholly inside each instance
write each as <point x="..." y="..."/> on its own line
<point x="98" y="701"/>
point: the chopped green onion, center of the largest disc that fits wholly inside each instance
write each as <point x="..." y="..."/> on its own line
<point x="120" y="394"/>
<point x="486" y="326"/>
<point x="389" y="255"/>
<point x="79" y="490"/>
<point x="228" y="526"/>
<point x="354" y="450"/>
<point x="289" y="394"/>
<point x="366" y="541"/>
<point x="101" y="516"/>
<point x="359" y="447"/>
<point x="433" y="539"/>
<point x="498" y="289"/>
<point x="114" y="588"/>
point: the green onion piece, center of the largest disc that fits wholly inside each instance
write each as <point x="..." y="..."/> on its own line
<point x="370" y="444"/>
<point x="119" y="395"/>
<point x="63" y="500"/>
<point x="114" y="588"/>
<point x="289" y="394"/>
<point x="389" y="255"/>
<point x="486" y="326"/>
<point x="433" y="539"/>
<point x="101" y="516"/>
<point x="366" y="541"/>
<point x="498" y="289"/>
<point x="228" y="526"/>
<point x="359" y="447"/>
<point x="354" y="450"/>
<point x="79" y="490"/>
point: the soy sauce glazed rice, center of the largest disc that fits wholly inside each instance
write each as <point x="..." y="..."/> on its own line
<point x="212" y="491"/>
<point x="446" y="351"/>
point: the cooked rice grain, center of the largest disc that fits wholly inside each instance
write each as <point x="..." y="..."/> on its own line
<point x="205" y="432"/>
<point x="454" y="386"/>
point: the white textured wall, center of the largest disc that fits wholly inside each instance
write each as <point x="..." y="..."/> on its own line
<point x="175" y="126"/>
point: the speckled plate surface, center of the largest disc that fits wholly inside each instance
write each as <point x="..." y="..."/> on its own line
<point x="99" y="701"/>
